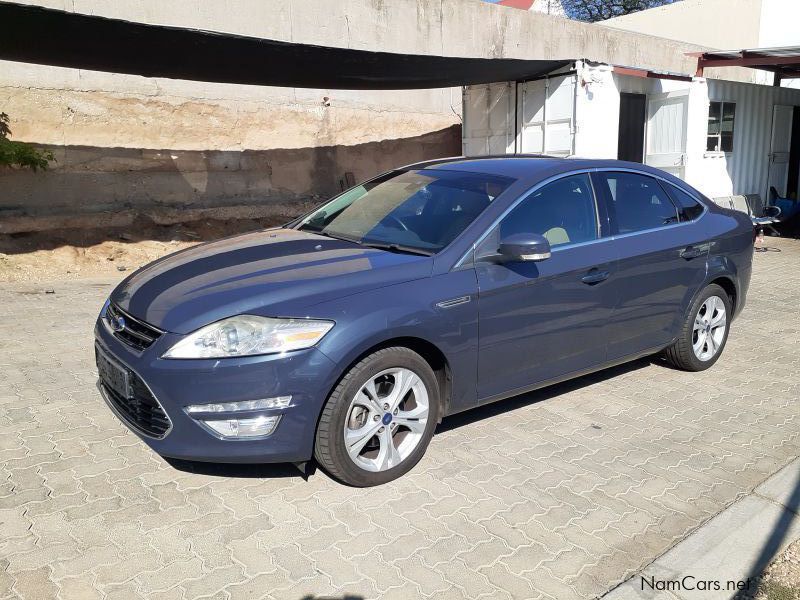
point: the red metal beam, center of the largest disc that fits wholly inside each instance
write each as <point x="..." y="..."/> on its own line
<point x="630" y="71"/>
<point x="764" y="62"/>
<point x="644" y="73"/>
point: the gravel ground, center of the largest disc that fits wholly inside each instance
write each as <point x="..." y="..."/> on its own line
<point x="60" y="254"/>
<point x="781" y="580"/>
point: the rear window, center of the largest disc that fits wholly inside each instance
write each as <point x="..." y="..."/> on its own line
<point x="688" y="208"/>
<point x="638" y="202"/>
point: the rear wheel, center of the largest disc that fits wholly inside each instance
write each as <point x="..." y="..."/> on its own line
<point x="378" y="422"/>
<point x="704" y="332"/>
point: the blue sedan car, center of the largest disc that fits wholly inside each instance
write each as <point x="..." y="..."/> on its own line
<point x="349" y="333"/>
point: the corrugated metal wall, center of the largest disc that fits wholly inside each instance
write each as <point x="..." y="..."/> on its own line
<point x="748" y="164"/>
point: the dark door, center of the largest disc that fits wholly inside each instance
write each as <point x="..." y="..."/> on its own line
<point x="661" y="262"/>
<point x="545" y="319"/>
<point x="632" y="117"/>
<point x="793" y="182"/>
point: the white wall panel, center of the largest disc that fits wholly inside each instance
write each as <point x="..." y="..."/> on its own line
<point x="667" y="127"/>
<point x="488" y="126"/>
<point x="547" y="110"/>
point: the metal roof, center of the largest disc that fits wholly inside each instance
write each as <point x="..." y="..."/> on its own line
<point x="784" y="61"/>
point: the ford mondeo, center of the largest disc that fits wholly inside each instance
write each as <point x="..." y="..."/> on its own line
<point x="349" y="333"/>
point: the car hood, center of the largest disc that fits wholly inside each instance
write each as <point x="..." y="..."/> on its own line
<point x="278" y="272"/>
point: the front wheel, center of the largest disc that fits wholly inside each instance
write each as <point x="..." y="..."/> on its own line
<point x="704" y="331"/>
<point x="378" y="422"/>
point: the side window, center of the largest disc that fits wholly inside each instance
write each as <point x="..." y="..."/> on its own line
<point x="563" y="211"/>
<point x="638" y="202"/>
<point x="688" y="207"/>
<point x="721" y="117"/>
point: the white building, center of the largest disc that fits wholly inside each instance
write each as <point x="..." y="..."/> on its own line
<point x="722" y="137"/>
<point x="721" y="24"/>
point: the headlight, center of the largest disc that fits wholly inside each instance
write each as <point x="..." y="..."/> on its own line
<point x="247" y="335"/>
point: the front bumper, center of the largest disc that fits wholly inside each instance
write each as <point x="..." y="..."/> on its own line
<point x="305" y="375"/>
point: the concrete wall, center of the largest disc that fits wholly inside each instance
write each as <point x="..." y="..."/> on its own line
<point x="126" y="142"/>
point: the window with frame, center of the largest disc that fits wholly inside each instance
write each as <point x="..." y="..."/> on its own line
<point x="721" y="118"/>
<point x="564" y="212"/>
<point x="638" y="202"/>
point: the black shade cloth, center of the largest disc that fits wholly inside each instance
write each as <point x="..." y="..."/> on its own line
<point x="33" y="34"/>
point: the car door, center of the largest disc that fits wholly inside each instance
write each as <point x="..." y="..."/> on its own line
<point x="661" y="261"/>
<point x="542" y="320"/>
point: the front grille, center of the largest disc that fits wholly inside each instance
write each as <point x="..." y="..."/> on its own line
<point x="140" y="409"/>
<point x="134" y="333"/>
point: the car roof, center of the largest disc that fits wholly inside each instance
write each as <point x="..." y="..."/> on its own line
<point x="528" y="167"/>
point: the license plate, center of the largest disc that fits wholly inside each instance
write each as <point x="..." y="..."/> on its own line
<point x="112" y="374"/>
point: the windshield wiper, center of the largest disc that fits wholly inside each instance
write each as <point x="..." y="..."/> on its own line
<point x="398" y="248"/>
<point x="378" y="245"/>
<point x="340" y="237"/>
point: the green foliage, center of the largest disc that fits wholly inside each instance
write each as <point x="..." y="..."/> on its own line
<point x="19" y="154"/>
<point x="600" y="10"/>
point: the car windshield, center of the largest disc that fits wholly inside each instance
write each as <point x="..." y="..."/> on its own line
<point x="417" y="211"/>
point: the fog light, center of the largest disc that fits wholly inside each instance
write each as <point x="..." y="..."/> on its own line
<point x="279" y="402"/>
<point x="244" y="428"/>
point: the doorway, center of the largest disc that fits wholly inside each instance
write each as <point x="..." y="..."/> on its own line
<point x="793" y="185"/>
<point x="667" y="120"/>
<point x="632" y="117"/>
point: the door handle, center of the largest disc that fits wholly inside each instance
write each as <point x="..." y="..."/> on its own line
<point x="595" y="276"/>
<point x="691" y="252"/>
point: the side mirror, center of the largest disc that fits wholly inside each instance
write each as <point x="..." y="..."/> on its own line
<point x="524" y="247"/>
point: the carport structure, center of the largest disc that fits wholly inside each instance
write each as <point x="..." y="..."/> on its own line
<point x="80" y="41"/>
<point x="237" y="147"/>
<point x="666" y="102"/>
<point x="784" y="62"/>
<point x="784" y="150"/>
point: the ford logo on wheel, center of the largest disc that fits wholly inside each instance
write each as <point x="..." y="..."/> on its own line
<point x="117" y="323"/>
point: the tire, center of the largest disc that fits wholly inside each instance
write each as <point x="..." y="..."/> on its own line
<point x="350" y="411"/>
<point x="684" y="354"/>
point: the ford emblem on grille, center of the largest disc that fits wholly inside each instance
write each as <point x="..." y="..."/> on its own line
<point x="117" y="322"/>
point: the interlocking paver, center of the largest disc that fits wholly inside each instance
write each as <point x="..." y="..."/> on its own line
<point x="78" y="588"/>
<point x="559" y="494"/>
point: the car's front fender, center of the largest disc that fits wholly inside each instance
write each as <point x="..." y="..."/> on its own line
<point x="410" y="311"/>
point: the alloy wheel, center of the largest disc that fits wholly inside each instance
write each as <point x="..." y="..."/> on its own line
<point x="386" y="419"/>
<point x="708" y="331"/>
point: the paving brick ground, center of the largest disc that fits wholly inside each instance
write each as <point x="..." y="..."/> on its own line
<point x="558" y="494"/>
